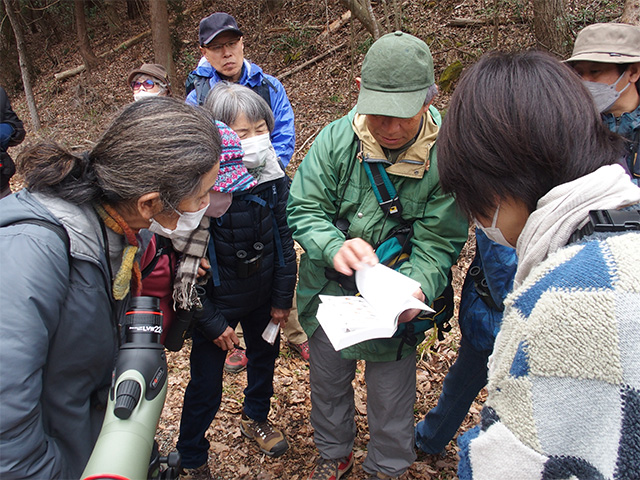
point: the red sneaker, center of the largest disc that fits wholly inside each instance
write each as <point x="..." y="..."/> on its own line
<point x="302" y="349"/>
<point x="236" y="361"/>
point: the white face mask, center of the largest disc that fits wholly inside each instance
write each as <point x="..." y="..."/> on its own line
<point x="144" y="94"/>
<point x="493" y="233"/>
<point x="604" y="96"/>
<point x="187" y="223"/>
<point x="257" y="151"/>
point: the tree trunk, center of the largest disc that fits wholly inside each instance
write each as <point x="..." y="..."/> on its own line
<point x="10" y="71"/>
<point x="111" y="11"/>
<point x="364" y="14"/>
<point x="161" y="39"/>
<point x="631" y="12"/>
<point x="24" y="68"/>
<point x="134" y="9"/>
<point x="550" y="26"/>
<point x="88" y="57"/>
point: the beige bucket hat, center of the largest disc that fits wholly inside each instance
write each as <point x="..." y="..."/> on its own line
<point x="607" y="43"/>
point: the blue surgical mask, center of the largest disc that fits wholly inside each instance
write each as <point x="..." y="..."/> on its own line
<point x="604" y="95"/>
<point x="187" y="223"/>
<point x="493" y="233"/>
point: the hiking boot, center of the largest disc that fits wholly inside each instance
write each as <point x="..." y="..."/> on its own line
<point x="302" y="349"/>
<point x="272" y="442"/>
<point x="380" y="476"/>
<point x="200" y="473"/>
<point x="236" y="361"/>
<point x="331" y="469"/>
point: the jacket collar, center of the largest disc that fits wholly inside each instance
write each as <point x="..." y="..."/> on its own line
<point x="251" y="73"/>
<point x="413" y="162"/>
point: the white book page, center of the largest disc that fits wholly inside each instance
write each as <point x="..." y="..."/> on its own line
<point x="385" y="293"/>
<point x="388" y="291"/>
<point x="351" y="320"/>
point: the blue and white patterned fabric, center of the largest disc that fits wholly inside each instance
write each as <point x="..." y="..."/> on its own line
<point x="564" y="382"/>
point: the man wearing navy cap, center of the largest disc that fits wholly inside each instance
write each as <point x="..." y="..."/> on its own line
<point x="222" y="51"/>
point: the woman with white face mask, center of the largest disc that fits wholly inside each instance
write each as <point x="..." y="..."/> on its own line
<point x="524" y="153"/>
<point x="71" y="243"/>
<point x="149" y="80"/>
<point x="253" y="276"/>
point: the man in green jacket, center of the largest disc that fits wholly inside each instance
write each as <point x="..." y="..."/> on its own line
<point x="393" y="125"/>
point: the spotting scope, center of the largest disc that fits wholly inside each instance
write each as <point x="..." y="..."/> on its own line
<point x="126" y="445"/>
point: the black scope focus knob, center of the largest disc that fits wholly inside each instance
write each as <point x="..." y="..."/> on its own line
<point x="127" y="397"/>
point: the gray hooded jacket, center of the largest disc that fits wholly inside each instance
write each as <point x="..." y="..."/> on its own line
<point x="58" y="337"/>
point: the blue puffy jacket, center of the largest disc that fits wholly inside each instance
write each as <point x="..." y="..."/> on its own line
<point x="480" y="322"/>
<point x="283" y="136"/>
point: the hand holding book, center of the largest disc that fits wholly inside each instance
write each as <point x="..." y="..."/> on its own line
<point x="385" y="295"/>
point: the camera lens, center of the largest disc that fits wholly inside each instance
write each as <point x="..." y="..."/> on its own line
<point x="143" y="321"/>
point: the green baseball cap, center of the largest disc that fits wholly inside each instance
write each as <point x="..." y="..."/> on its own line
<point x="396" y="73"/>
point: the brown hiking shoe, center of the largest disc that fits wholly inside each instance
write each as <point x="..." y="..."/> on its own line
<point x="272" y="442"/>
<point x="200" y="473"/>
<point x="381" y="476"/>
<point x="331" y="469"/>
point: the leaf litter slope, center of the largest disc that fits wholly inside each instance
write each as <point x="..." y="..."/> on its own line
<point x="75" y="111"/>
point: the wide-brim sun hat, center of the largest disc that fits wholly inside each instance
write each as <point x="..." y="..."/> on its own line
<point x="233" y="176"/>
<point x="396" y="73"/>
<point x="607" y="43"/>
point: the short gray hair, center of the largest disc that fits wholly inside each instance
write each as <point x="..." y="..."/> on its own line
<point x="227" y="100"/>
<point x="432" y="93"/>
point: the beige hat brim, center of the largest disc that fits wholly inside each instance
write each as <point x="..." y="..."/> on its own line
<point x="616" y="58"/>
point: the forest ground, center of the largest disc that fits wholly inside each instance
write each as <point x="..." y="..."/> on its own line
<point x="75" y="111"/>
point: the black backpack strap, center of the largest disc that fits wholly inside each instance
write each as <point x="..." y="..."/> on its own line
<point x="59" y="230"/>
<point x="264" y="90"/>
<point x="202" y="86"/>
<point x="608" y="221"/>
<point x="163" y="247"/>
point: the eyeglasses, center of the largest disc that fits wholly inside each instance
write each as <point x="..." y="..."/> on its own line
<point x="217" y="48"/>
<point x="146" y="84"/>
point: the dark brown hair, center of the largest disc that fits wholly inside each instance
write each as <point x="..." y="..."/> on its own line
<point x="158" y="144"/>
<point x="519" y="125"/>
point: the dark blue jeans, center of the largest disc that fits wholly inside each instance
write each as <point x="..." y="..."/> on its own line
<point x="204" y="393"/>
<point x="466" y="377"/>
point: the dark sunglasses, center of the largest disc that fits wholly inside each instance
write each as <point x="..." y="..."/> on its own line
<point x="147" y="84"/>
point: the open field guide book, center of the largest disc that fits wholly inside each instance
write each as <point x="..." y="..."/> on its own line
<point x="385" y="294"/>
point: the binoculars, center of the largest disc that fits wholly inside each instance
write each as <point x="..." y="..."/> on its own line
<point x="482" y="287"/>
<point x="126" y="447"/>
<point x="248" y="264"/>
